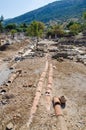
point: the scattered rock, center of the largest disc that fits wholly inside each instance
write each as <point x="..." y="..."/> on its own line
<point x="54" y="67"/>
<point x="25" y="72"/>
<point x="17" y="117"/>
<point x="70" y="57"/>
<point x="7" y="96"/>
<point x="9" y="126"/>
<point x="28" y="85"/>
<point x="60" y="59"/>
<point x="4" y="102"/>
<point x="85" y="63"/>
<point x="20" y="75"/>
<point x="11" y="68"/>
<point x="25" y="85"/>
<point x="60" y="54"/>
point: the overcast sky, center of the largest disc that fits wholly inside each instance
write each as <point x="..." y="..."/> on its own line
<point x="13" y="8"/>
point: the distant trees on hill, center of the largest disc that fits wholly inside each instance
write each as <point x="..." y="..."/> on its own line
<point x="39" y="29"/>
<point x="1" y="24"/>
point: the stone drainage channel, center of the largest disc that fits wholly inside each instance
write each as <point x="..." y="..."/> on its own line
<point x="57" y="102"/>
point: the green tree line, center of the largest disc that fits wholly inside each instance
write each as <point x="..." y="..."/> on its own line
<point x="39" y="29"/>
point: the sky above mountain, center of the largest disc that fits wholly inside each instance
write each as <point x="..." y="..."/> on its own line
<point x="13" y="8"/>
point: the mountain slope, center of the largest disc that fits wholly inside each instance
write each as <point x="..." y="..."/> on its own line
<point x="58" y="10"/>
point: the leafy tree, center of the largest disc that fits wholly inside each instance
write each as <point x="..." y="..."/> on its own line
<point x="1" y="24"/>
<point x="1" y="18"/>
<point x="75" y="28"/>
<point x="36" y="29"/>
<point x="55" y="31"/>
<point x="84" y="15"/>
<point x="1" y="27"/>
<point x="70" y="24"/>
<point x="22" y="27"/>
<point x="13" y="31"/>
<point x="10" y="26"/>
<point x="50" y="33"/>
<point x="18" y="29"/>
<point x="84" y="23"/>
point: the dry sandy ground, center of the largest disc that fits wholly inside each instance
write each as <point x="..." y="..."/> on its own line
<point x="69" y="79"/>
<point x="12" y="50"/>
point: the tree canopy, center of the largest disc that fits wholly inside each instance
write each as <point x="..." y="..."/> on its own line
<point x="10" y="26"/>
<point x="55" y="31"/>
<point x="35" y="29"/>
<point x="84" y="15"/>
<point x="75" y="28"/>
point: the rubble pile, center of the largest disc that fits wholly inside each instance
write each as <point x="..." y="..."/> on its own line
<point x="73" y="49"/>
